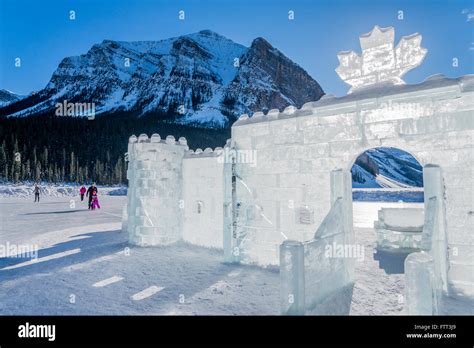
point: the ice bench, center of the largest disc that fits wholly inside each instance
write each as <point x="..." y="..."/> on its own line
<point x="399" y="229"/>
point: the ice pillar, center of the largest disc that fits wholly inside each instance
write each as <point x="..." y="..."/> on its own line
<point x="292" y="296"/>
<point x="434" y="187"/>
<point x="419" y="292"/>
<point x="341" y="187"/>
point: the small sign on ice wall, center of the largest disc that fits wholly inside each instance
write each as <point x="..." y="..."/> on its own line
<point x="199" y="206"/>
<point x="305" y="215"/>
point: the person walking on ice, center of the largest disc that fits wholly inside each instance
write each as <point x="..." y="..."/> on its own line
<point x="37" y="193"/>
<point x="82" y="191"/>
<point x="90" y="190"/>
<point x="95" y="200"/>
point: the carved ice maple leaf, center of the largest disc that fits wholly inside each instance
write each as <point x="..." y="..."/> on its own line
<point x="380" y="61"/>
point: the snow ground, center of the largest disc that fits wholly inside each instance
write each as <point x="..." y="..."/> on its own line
<point x="379" y="288"/>
<point x="80" y="248"/>
<point x="84" y="256"/>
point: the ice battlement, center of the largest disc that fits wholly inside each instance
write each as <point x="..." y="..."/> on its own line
<point x="207" y="152"/>
<point x="375" y="75"/>
<point x="156" y="138"/>
<point x="378" y="93"/>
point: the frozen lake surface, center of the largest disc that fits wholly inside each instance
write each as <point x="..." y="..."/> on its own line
<point x="85" y="266"/>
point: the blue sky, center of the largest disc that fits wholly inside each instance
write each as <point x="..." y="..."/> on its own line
<point x="41" y="34"/>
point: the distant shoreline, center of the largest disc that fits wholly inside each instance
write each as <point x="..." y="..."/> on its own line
<point x="409" y="195"/>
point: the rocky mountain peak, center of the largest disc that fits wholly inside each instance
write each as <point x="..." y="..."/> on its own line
<point x="261" y="44"/>
<point x="7" y="97"/>
<point x="202" y="79"/>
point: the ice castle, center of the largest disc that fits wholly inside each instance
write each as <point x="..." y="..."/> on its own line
<point x="280" y="188"/>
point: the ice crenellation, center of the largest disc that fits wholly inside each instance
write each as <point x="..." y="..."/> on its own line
<point x="465" y="83"/>
<point x="156" y="138"/>
<point x="207" y="152"/>
<point x="171" y="140"/>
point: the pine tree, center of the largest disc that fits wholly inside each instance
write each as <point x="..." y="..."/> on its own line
<point x="50" y="173"/>
<point x="3" y="162"/>
<point x="56" y="173"/>
<point x="28" y="170"/>
<point x="72" y="169"/>
<point x="35" y="159"/>
<point x="45" y="157"/>
<point x="38" y="172"/>
<point x="118" y="171"/>
<point x="16" y="170"/>
<point x="78" y="179"/>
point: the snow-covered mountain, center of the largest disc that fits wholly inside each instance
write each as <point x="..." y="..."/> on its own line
<point x="386" y="167"/>
<point x="201" y="78"/>
<point x="7" y="97"/>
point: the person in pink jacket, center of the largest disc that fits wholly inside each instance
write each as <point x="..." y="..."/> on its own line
<point x="82" y="191"/>
<point x="95" y="200"/>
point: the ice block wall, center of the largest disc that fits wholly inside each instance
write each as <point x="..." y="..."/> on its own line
<point x="206" y="201"/>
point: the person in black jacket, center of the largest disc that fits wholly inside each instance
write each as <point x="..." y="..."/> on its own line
<point x="89" y="192"/>
<point x="37" y="193"/>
